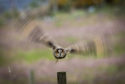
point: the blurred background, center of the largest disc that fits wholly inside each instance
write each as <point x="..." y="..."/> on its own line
<point x="67" y="22"/>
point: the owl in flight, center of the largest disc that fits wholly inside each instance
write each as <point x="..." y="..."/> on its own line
<point x="38" y="35"/>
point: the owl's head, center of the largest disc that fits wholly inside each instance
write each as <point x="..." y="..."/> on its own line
<point x="59" y="53"/>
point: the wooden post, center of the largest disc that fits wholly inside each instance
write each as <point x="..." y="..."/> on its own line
<point x="31" y="77"/>
<point x="61" y="77"/>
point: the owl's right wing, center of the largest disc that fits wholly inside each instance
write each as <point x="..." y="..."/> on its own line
<point x="38" y="35"/>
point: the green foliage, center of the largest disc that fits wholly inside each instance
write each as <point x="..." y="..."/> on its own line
<point x="64" y="16"/>
<point x="11" y="14"/>
<point x="34" y="4"/>
<point x="15" y="13"/>
<point x="21" y="80"/>
<point x="119" y="48"/>
<point x="1" y="22"/>
<point x="7" y="15"/>
<point x="112" y="69"/>
<point x="34" y="55"/>
<point x="3" y="59"/>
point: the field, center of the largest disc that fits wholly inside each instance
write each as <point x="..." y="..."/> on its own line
<point x="19" y="56"/>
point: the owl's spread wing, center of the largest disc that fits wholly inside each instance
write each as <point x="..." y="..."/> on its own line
<point x="39" y="36"/>
<point x="82" y="47"/>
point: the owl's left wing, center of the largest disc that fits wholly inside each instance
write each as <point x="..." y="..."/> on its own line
<point x="82" y="47"/>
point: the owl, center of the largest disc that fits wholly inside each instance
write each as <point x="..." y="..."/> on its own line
<point x="59" y="52"/>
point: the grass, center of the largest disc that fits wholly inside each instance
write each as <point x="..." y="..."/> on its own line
<point x="87" y="18"/>
<point x="119" y="47"/>
<point x="3" y="59"/>
<point x="64" y="17"/>
<point x="14" y="81"/>
<point x="112" y="69"/>
<point x="67" y="15"/>
<point x="2" y="22"/>
<point x="34" y="55"/>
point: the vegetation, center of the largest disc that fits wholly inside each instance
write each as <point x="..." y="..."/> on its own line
<point x="34" y="55"/>
<point x="73" y="21"/>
